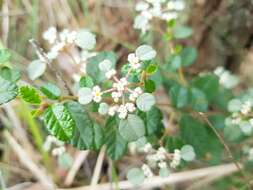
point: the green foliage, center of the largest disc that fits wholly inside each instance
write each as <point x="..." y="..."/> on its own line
<point x="8" y="90"/>
<point x="5" y="56"/>
<point x="59" y="122"/>
<point x="182" y="32"/>
<point x="36" y="69"/>
<point x="145" y="101"/>
<point x="82" y="126"/>
<point x="145" y="52"/>
<point x="187" y="153"/>
<point x="132" y="128"/>
<point x="149" y="86"/>
<point x="85" y="39"/>
<point x="115" y="143"/>
<point x="93" y="65"/>
<point x="51" y="91"/>
<point x="29" y="94"/>
<point x="188" y="56"/>
<point x="179" y="96"/>
<point x="172" y="143"/>
<point x="12" y="75"/>
<point x="86" y="81"/>
<point x="135" y="176"/>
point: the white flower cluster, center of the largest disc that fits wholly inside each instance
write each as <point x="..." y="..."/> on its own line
<point x="176" y="159"/>
<point x="159" y="158"/>
<point x="122" y="92"/>
<point x="51" y="141"/>
<point x="241" y="115"/>
<point x="226" y="78"/>
<point x="162" y="9"/>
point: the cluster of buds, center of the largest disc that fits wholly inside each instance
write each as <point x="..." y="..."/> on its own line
<point x="162" y="9"/>
<point x="226" y="78"/>
<point x="122" y="93"/>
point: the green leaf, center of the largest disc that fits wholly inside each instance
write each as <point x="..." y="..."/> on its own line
<point x="132" y="128"/>
<point x="222" y="98"/>
<point x="194" y="133"/>
<point x="182" y="32"/>
<point x="8" y="90"/>
<point x="172" y="143"/>
<point x="36" y="69"/>
<point x="51" y="91"/>
<point x="153" y="121"/>
<point x="233" y="133"/>
<point x="145" y="52"/>
<point x="83" y="126"/>
<point x="198" y="100"/>
<point x="164" y="172"/>
<point x="92" y="67"/>
<point x="187" y="153"/>
<point x="105" y="65"/>
<point x="208" y="83"/>
<point x="29" y="94"/>
<point x="86" y="81"/>
<point x="98" y="136"/>
<point x="12" y="75"/>
<point x="218" y="121"/>
<point x="175" y="62"/>
<point x="103" y="108"/>
<point x="179" y="96"/>
<point x="145" y="101"/>
<point x="135" y="176"/>
<point x="151" y="69"/>
<point x="85" y="39"/>
<point x="149" y="86"/>
<point x="188" y="56"/>
<point x="84" y="95"/>
<point x="5" y="56"/>
<point x="115" y="143"/>
<point x="59" y="122"/>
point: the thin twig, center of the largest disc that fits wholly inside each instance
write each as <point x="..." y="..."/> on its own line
<point x="160" y="181"/>
<point x="75" y="167"/>
<point x="37" y="171"/>
<point x="58" y="74"/>
<point x="227" y="149"/>
<point x="97" y="170"/>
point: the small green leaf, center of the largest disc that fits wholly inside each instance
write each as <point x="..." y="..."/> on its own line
<point x="151" y="69"/>
<point x="198" y="100"/>
<point x="12" y="75"/>
<point x="187" y="153"/>
<point x="179" y="96"/>
<point x="132" y="128"/>
<point x="98" y="136"/>
<point x="188" y="56"/>
<point x="85" y="39"/>
<point x="36" y="69"/>
<point x="59" y="122"/>
<point x="182" y="32"/>
<point x="115" y="143"/>
<point x="135" y="176"/>
<point x="149" y="86"/>
<point x="145" y="52"/>
<point x="92" y="67"/>
<point x="84" y="95"/>
<point x="172" y="143"/>
<point x="105" y="65"/>
<point x="5" y="56"/>
<point x="51" y="91"/>
<point x="164" y="172"/>
<point x="175" y="62"/>
<point x="103" y="108"/>
<point x="145" y="102"/>
<point x="8" y="90"/>
<point x="29" y="94"/>
<point x="86" y="81"/>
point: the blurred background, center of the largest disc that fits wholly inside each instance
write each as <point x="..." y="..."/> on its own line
<point x="223" y="35"/>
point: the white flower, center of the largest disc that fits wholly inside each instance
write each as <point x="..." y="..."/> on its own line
<point x="147" y="15"/>
<point x="246" y="108"/>
<point x="71" y="37"/>
<point x="135" y="94"/>
<point x="96" y="93"/>
<point x="147" y="148"/>
<point x="120" y="85"/>
<point x="109" y="74"/>
<point x="176" y="159"/>
<point x="112" y="110"/>
<point x="130" y="107"/>
<point x="58" y="151"/>
<point x="50" y="35"/>
<point x="141" y="6"/>
<point x="162" y="164"/>
<point x="134" y="61"/>
<point x="147" y="171"/>
<point x="116" y="96"/>
<point x="122" y="111"/>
